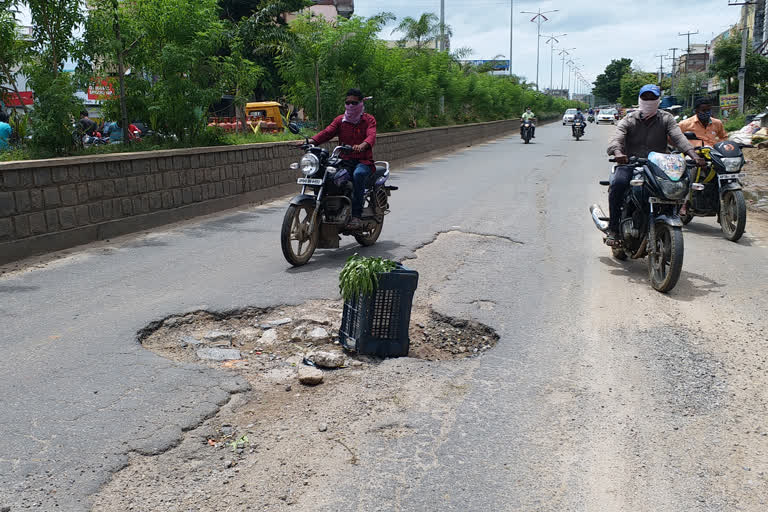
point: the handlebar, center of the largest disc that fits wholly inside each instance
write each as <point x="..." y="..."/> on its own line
<point x="633" y="160"/>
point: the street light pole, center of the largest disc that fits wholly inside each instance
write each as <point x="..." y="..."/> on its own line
<point x="563" y="53"/>
<point x="538" y="18"/>
<point x="551" y="41"/>
<point x="511" y="31"/>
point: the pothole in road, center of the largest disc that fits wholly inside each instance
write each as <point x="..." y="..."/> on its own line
<point x="276" y="341"/>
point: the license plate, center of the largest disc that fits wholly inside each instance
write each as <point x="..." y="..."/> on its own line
<point x="309" y="181"/>
<point x="732" y="176"/>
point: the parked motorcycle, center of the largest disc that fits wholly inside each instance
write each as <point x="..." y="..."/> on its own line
<point x="527" y="130"/>
<point x="650" y="223"/>
<point x="721" y="194"/>
<point x="578" y="129"/>
<point x="316" y="217"/>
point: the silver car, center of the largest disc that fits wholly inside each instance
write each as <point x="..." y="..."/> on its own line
<point x="607" y="115"/>
<point x="568" y="116"/>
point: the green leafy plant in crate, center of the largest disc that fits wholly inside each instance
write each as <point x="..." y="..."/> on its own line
<point x="360" y="275"/>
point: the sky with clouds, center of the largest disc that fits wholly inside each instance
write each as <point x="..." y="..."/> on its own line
<point x="599" y="30"/>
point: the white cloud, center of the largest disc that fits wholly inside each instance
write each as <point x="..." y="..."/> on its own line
<point x="600" y="31"/>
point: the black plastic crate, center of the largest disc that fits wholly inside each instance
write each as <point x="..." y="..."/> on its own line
<point x="377" y="324"/>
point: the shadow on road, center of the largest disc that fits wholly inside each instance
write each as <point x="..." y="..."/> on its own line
<point x="690" y="286"/>
<point x="335" y="258"/>
<point x="714" y="231"/>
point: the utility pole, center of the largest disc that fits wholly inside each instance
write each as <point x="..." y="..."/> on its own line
<point x="551" y="41"/>
<point x="563" y="53"/>
<point x="688" y="50"/>
<point x="511" y="32"/>
<point x="442" y="25"/>
<point x="539" y="18"/>
<point x="661" y="67"/>
<point x="743" y="62"/>
<point x="674" y="61"/>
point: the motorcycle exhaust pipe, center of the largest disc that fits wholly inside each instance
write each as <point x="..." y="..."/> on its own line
<point x="598" y="217"/>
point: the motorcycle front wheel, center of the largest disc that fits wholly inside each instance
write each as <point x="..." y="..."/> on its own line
<point x="665" y="263"/>
<point x="297" y="244"/>
<point x="733" y="215"/>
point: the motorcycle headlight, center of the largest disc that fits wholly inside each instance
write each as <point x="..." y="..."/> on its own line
<point x="673" y="190"/>
<point x="732" y="164"/>
<point x="309" y="164"/>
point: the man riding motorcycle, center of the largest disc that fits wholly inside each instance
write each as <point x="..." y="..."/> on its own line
<point x="645" y="130"/>
<point x="357" y="129"/>
<point x="709" y="130"/>
<point x="529" y="115"/>
<point x="579" y="117"/>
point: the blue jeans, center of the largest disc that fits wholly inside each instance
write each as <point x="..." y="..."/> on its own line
<point x="360" y="178"/>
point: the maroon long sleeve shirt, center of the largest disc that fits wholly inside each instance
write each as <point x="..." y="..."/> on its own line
<point x="352" y="135"/>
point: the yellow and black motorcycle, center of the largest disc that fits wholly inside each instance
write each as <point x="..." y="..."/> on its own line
<point x="719" y="192"/>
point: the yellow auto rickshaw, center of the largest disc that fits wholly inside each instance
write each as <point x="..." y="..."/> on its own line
<point x="266" y="114"/>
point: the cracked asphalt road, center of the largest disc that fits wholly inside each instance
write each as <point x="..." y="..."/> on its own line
<point x="601" y="395"/>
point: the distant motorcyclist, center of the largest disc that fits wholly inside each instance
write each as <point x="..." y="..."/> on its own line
<point x="641" y="132"/>
<point x="591" y="111"/>
<point x="529" y="115"/>
<point x="355" y="128"/>
<point x="579" y="118"/>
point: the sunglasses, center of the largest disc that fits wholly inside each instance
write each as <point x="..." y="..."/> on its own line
<point x="351" y="102"/>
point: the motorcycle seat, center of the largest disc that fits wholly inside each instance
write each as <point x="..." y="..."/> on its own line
<point x="381" y="171"/>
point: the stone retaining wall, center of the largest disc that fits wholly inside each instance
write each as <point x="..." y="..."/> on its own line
<point x="48" y="205"/>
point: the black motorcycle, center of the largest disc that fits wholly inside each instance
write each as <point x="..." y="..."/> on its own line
<point x="650" y="223"/>
<point x="578" y="129"/>
<point x="526" y="130"/>
<point x="720" y="193"/>
<point x="316" y="217"/>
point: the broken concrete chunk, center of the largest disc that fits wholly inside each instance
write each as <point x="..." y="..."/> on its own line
<point x="189" y="341"/>
<point x="327" y="359"/>
<point x="318" y="334"/>
<point x="249" y="333"/>
<point x="268" y="338"/>
<point x="222" y="338"/>
<point x="310" y="376"/>
<point x="299" y="334"/>
<point x="218" y="354"/>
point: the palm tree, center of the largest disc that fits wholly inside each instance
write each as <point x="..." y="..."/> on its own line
<point x="423" y="31"/>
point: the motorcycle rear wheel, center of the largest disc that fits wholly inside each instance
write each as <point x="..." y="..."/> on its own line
<point x="665" y="263"/>
<point x="295" y="229"/>
<point x="619" y="253"/>
<point x="733" y="215"/>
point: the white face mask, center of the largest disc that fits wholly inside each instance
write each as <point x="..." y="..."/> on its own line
<point x="648" y="107"/>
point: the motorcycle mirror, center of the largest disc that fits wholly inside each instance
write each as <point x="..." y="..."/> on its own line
<point x="293" y="128"/>
<point x="690" y="136"/>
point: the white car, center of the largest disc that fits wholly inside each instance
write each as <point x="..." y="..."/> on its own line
<point x="568" y="116"/>
<point x="607" y="115"/>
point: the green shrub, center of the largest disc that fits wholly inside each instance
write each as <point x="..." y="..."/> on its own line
<point x="735" y="123"/>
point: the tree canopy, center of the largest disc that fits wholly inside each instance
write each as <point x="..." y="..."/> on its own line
<point x="726" y="67"/>
<point x="608" y="83"/>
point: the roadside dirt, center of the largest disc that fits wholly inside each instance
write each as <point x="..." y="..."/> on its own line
<point x="756" y="182"/>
